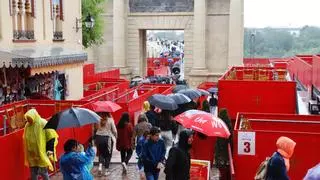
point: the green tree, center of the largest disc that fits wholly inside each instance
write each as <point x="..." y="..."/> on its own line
<point x="92" y="36"/>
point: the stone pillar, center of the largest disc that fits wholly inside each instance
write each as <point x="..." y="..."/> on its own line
<point x="119" y="37"/>
<point x="22" y="33"/>
<point x="199" y="71"/>
<point x="236" y="31"/>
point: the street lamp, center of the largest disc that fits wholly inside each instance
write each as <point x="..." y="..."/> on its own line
<point x="89" y="22"/>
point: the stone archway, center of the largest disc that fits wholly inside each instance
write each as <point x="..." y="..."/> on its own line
<point x="213" y="34"/>
<point x="138" y="24"/>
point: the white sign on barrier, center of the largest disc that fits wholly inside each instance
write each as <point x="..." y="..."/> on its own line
<point x="246" y="143"/>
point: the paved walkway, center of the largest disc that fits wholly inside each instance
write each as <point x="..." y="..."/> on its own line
<point x="132" y="173"/>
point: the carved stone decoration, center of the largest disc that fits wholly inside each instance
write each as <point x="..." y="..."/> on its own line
<point x="161" y="5"/>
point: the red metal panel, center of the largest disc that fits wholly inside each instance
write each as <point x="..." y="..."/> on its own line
<point x="256" y="96"/>
<point x="207" y="85"/>
<point x="305" y="134"/>
<point x="316" y="71"/>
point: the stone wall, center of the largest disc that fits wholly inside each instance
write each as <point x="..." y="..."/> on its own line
<point x="161" y="5"/>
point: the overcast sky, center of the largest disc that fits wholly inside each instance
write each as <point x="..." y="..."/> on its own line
<point x="281" y="13"/>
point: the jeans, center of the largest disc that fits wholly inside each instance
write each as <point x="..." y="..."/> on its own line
<point x="39" y="171"/>
<point x="152" y="175"/>
<point x="105" y="152"/>
<point x="126" y="155"/>
<point x="168" y="140"/>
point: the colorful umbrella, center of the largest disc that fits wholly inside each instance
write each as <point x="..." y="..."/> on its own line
<point x="104" y="106"/>
<point x="203" y="122"/>
<point x="72" y="117"/>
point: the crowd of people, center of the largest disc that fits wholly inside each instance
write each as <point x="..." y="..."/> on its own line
<point x="160" y="143"/>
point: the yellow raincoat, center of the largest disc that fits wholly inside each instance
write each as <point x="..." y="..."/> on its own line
<point x="35" y="139"/>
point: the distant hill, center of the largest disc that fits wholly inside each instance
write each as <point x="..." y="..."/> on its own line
<point x="281" y="42"/>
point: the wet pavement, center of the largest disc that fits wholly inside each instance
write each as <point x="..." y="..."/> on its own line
<point x="132" y="172"/>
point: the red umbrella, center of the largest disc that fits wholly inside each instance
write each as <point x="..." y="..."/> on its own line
<point x="203" y="122"/>
<point x="104" y="106"/>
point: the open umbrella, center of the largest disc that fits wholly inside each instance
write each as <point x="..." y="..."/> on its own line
<point x="191" y="93"/>
<point x="204" y="92"/>
<point x="203" y="122"/>
<point x="313" y="173"/>
<point x="72" y="117"/>
<point x="179" y="88"/>
<point x="180" y="98"/>
<point x="163" y="102"/>
<point x="104" y="106"/>
<point x="213" y="90"/>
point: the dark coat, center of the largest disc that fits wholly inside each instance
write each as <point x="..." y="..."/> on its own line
<point x="152" y="116"/>
<point x="277" y="168"/>
<point x="152" y="154"/>
<point x="178" y="163"/>
<point x="124" y="139"/>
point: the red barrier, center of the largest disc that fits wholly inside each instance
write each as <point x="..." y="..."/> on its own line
<point x="316" y="71"/>
<point x="89" y="75"/>
<point x="301" y="69"/>
<point x="256" y="96"/>
<point x="304" y="130"/>
<point x="12" y="157"/>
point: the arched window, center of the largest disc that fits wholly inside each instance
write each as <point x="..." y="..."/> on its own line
<point x="57" y="18"/>
<point x="23" y="15"/>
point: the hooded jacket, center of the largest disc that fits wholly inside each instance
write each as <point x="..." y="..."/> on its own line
<point x="279" y="163"/>
<point x="178" y="163"/>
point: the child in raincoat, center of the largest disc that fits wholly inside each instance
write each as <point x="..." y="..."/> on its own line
<point x="39" y="145"/>
<point x="74" y="164"/>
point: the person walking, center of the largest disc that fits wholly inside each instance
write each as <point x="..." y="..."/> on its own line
<point x="168" y="129"/>
<point x="279" y="163"/>
<point x="104" y="136"/>
<point x="142" y="126"/>
<point x="39" y="145"/>
<point x="213" y="102"/>
<point x="153" y="154"/>
<point x="178" y="162"/>
<point x="221" y="155"/>
<point x="124" y="140"/>
<point x="74" y="164"/>
<point x="152" y="116"/>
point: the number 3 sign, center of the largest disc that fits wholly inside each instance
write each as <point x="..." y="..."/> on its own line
<point x="247" y="143"/>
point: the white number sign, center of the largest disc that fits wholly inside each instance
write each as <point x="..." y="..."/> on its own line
<point x="247" y="143"/>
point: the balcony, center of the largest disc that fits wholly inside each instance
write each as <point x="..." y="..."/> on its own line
<point x="23" y="36"/>
<point x="58" y="36"/>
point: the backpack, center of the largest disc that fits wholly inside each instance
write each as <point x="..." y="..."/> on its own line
<point x="261" y="173"/>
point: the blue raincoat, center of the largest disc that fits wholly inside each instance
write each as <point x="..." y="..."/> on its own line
<point x="74" y="165"/>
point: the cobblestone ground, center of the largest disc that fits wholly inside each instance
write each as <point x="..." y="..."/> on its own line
<point x="132" y="174"/>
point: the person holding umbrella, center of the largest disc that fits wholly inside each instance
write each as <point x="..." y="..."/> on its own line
<point x="106" y="132"/>
<point x="124" y="140"/>
<point x="73" y="164"/>
<point x="39" y="145"/>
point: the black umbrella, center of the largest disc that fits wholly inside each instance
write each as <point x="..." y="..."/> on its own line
<point x="180" y="98"/>
<point x="163" y="102"/>
<point x="204" y="92"/>
<point x="191" y="93"/>
<point x="213" y="90"/>
<point x="72" y="117"/>
<point x="179" y="88"/>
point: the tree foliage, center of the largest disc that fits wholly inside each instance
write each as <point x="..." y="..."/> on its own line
<point x="269" y="42"/>
<point x="92" y="36"/>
